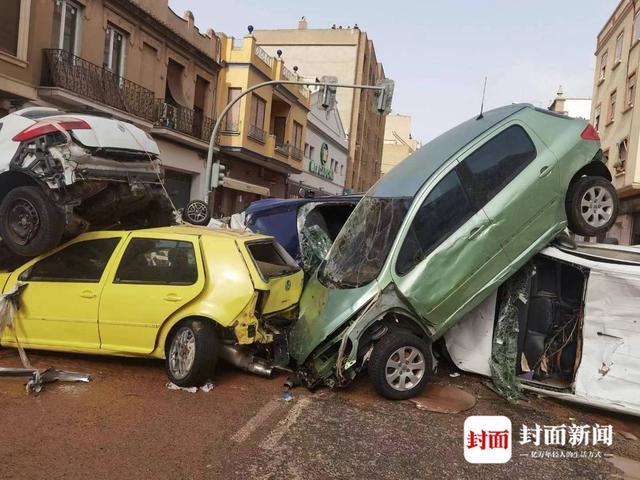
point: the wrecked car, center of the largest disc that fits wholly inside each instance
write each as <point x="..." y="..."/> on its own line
<point x="184" y="294"/>
<point x="64" y="173"/>
<point x="305" y="227"/>
<point x="438" y="234"/>
<point x="566" y="327"/>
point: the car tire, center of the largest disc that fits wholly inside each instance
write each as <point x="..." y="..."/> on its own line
<point x="592" y="206"/>
<point x="30" y="223"/>
<point x="192" y="353"/>
<point x="197" y="213"/>
<point x="388" y="363"/>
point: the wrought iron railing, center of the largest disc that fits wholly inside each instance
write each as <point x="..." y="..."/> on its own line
<point x="282" y="148"/>
<point x="64" y="70"/>
<point x="257" y="133"/>
<point x="296" y="152"/>
<point x="184" y="120"/>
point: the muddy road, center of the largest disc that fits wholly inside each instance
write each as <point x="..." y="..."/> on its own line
<point x="125" y="423"/>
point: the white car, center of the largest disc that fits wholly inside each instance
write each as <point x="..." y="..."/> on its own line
<point x="571" y="332"/>
<point x="64" y="173"/>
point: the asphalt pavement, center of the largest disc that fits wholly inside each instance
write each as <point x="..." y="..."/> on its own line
<point x="126" y="423"/>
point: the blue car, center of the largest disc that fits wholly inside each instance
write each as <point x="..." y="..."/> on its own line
<point x="305" y="227"/>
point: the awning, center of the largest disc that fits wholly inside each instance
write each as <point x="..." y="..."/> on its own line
<point x="234" y="184"/>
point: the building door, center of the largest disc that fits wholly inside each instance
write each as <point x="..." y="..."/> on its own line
<point x="178" y="186"/>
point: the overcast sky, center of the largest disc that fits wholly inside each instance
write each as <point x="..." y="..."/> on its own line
<point x="438" y="51"/>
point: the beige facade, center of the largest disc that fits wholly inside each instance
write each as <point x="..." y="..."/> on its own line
<point x="349" y="55"/>
<point x="262" y="136"/>
<point x="398" y="141"/>
<point x="133" y="59"/>
<point x="575" y="107"/>
<point x="614" y="114"/>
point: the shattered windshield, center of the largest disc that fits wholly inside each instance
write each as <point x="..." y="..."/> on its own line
<point x="362" y="246"/>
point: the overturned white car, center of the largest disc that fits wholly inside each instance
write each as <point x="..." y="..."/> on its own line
<point x="64" y="173"/>
<point x="567" y="326"/>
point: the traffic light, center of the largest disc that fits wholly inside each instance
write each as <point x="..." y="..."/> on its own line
<point x="329" y="92"/>
<point x="384" y="97"/>
<point x="217" y="174"/>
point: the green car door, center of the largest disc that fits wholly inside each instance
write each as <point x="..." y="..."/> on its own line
<point x="514" y="176"/>
<point x="450" y="254"/>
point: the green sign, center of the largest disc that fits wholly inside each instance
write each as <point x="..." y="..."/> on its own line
<point x="321" y="169"/>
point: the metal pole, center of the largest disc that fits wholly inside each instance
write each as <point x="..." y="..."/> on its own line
<point x="208" y="193"/>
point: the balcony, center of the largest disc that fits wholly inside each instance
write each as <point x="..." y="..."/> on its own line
<point x="296" y="153"/>
<point x="64" y="70"/>
<point x="256" y="133"/>
<point x="282" y="148"/>
<point x="183" y="120"/>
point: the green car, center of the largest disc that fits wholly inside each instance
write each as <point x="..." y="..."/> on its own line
<point x="441" y="232"/>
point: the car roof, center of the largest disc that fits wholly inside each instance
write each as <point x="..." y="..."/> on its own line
<point x="273" y="204"/>
<point x="406" y="178"/>
<point x="187" y="229"/>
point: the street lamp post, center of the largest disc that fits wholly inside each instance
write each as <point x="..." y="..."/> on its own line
<point x="195" y="210"/>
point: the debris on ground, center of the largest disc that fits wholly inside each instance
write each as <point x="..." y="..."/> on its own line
<point x="206" y="388"/>
<point x="287" y="396"/>
<point x="38" y="379"/>
<point x="454" y="374"/>
<point x="444" y="399"/>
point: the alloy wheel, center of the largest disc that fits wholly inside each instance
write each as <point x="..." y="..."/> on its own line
<point x="405" y="368"/>
<point x="596" y="206"/>
<point x="182" y="352"/>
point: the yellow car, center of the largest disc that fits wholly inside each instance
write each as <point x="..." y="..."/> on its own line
<point x="185" y="294"/>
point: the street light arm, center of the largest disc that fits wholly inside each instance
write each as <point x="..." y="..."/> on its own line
<point x="216" y="128"/>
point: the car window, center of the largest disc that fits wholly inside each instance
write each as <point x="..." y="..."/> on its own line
<point x="271" y="259"/>
<point x="445" y="209"/>
<point x="158" y="262"/>
<point x="492" y="166"/>
<point x="79" y="262"/>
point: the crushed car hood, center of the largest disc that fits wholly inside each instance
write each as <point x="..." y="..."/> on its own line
<point x="324" y="310"/>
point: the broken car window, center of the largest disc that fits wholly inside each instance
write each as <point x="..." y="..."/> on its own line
<point x="497" y="162"/>
<point x="362" y="246"/>
<point x="158" y="262"/>
<point x="271" y="259"/>
<point x="79" y="262"/>
<point x="444" y="210"/>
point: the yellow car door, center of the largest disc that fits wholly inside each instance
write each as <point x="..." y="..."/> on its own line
<point x="59" y="306"/>
<point x="156" y="275"/>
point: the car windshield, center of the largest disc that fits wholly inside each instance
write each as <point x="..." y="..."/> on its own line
<point x="362" y="246"/>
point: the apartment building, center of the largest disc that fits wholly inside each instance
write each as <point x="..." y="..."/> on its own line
<point x="326" y="152"/>
<point x="135" y="60"/>
<point x="262" y="136"/>
<point x="348" y="54"/>
<point x="398" y="141"/>
<point x="614" y="114"/>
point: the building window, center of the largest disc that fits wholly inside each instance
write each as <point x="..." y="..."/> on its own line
<point x="341" y="169"/>
<point x="232" y="122"/>
<point x="596" y="118"/>
<point x="618" y="57"/>
<point x="311" y="150"/>
<point x="66" y="26"/>
<point x="306" y="150"/>
<point x="623" y="150"/>
<point x="256" y="120"/>
<point x="603" y="65"/>
<point x="297" y="135"/>
<point x="631" y="90"/>
<point x="612" y="107"/>
<point x="14" y="28"/>
<point x="636" y="28"/>
<point x="114" y="44"/>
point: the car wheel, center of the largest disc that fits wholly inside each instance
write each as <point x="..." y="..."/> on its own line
<point x="400" y="365"/>
<point x="197" y="213"/>
<point x="30" y="223"/>
<point x="192" y="353"/>
<point x="592" y="206"/>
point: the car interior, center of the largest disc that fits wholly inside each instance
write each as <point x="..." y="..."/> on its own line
<point x="550" y="323"/>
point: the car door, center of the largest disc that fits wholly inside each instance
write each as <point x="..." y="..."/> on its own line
<point x="450" y="254"/>
<point x="156" y="275"/>
<point x="59" y="306"/>
<point x="514" y="177"/>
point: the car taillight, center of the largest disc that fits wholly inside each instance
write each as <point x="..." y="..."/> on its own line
<point x="50" y="126"/>
<point x="589" y="133"/>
